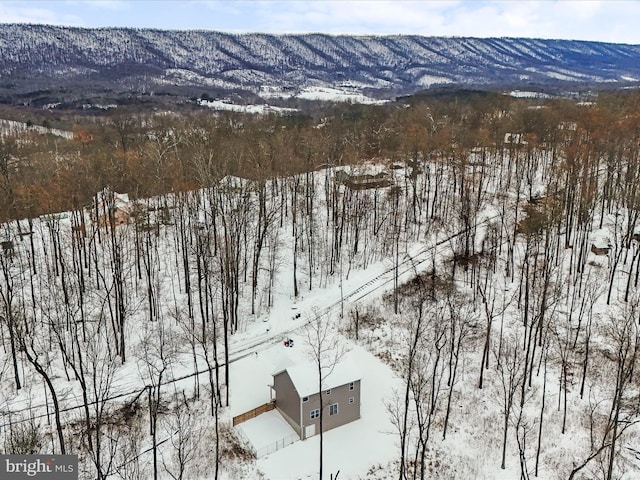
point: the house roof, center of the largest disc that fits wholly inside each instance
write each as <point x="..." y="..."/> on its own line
<point x="600" y="238"/>
<point x="284" y="363"/>
<point x="305" y="376"/>
<point x="120" y="200"/>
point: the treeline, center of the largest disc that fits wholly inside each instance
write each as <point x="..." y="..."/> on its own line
<point x="147" y="155"/>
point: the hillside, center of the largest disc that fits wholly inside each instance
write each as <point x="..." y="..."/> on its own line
<point x="479" y="259"/>
<point x="51" y="64"/>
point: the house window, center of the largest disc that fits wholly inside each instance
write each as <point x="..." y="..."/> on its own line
<point x="328" y="392"/>
<point x="351" y="386"/>
<point x="333" y="409"/>
<point x="315" y="413"/>
<point x="351" y="400"/>
<point x="305" y="399"/>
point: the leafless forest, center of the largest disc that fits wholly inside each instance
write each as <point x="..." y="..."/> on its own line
<point x="527" y="315"/>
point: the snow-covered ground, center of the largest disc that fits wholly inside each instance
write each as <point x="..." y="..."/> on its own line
<point x="232" y="107"/>
<point x="327" y="94"/>
<point x="267" y="433"/>
<point x="331" y="94"/>
<point x="369" y="447"/>
<point x="349" y="448"/>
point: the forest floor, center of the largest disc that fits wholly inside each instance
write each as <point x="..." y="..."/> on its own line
<point x="369" y="447"/>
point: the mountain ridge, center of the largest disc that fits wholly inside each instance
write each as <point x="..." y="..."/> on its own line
<point x="33" y="57"/>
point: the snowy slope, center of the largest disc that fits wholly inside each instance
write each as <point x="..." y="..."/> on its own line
<point x="54" y="57"/>
<point x="367" y="448"/>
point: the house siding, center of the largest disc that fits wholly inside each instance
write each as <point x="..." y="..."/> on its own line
<point x="298" y="413"/>
<point x="287" y="400"/>
<point x="347" y="412"/>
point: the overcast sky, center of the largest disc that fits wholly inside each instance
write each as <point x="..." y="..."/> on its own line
<point x="607" y="20"/>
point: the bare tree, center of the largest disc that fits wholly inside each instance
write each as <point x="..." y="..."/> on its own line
<point x="38" y="357"/>
<point x="8" y="314"/>
<point x="461" y="319"/>
<point x="234" y="204"/>
<point x="326" y="353"/>
<point x="489" y="294"/>
<point x="510" y="378"/>
<point x="401" y="412"/>
<point x="267" y="214"/>
<point x="98" y="369"/>
<point x="158" y="352"/>
<point x="426" y="382"/>
<point x="623" y="333"/>
<point x="184" y="437"/>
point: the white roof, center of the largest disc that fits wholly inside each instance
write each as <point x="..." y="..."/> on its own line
<point x="283" y="364"/>
<point x="120" y="200"/>
<point x="305" y="376"/>
<point x="600" y="238"/>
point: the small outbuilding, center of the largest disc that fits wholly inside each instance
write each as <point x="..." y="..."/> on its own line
<point x="298" y="400"/>
<point x="600" y="249"/>
<point x="600" y="243"/>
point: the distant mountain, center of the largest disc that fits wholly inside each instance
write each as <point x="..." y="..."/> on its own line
<point x="53" y="62"/>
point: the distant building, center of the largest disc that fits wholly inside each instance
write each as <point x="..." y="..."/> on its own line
<point x="600" y="249"/>
<point x="7" y="247"/>
<point x="111" y="206"/>
<point x="298" y="400"/>
<point x="514" y="139"/>
<point x="600" y="244"/>
<point x="363" y="182"/>
<point x="341" y="176"/>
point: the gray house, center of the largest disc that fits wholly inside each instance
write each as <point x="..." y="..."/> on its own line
<point x="298" y="400"/>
